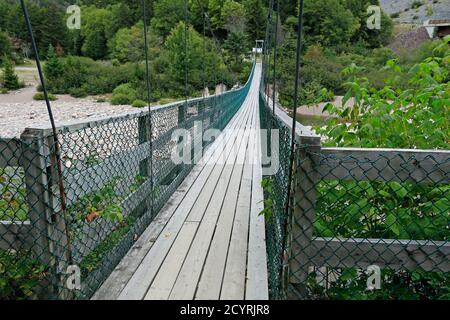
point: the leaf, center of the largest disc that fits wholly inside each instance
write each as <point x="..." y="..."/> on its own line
<point x="92" y="216"/>
<point x="399" y="190"/>
<point x="348" y="274"/>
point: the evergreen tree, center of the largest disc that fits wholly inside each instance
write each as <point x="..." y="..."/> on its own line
<point x="5" y="46"/>
<point x="53" y="68"/>
<point x="10" y="79"/>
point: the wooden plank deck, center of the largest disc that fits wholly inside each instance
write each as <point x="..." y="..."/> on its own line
<point x="208" y="242"/>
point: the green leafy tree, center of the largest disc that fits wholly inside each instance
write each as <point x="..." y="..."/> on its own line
<point x="255" y="15"/>
<point x="10" y="79"/>
<point x="375" y="37"/>
<point x="236" y="47"/>
<point x="233" y="16"/>
<point x="203" y="62"/>
<point x="128" y="44"/>
<point x="329" y="23"/>
<point x="215" y="13"/>
<point x="180" y="57"/>
<point x="167" y="13"/>
<point x="95" y="32"/>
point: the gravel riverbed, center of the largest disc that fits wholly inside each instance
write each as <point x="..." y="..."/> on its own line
<point x="17" y="112"/>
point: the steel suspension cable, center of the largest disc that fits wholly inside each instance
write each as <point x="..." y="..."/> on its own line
<point x="275" y="57"/>
<point x="54" y="131"/>
<point x="266" y="47"/>
<point x="186" y="89"/>
<point x="148" y="86"/>
<point x="216" y="41"/>
<point x="295" y="106"/>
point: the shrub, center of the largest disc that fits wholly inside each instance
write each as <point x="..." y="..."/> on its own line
<point x="416" y="4"/>
<point x="78" y="92"/>
<point x="382" y="55"/>
<point x="119" y="99"/>
<point x="4" y="91"/>
<point x="124" y="94"/>
<point x="40" y="96"/>
<point x="139" y="103"/>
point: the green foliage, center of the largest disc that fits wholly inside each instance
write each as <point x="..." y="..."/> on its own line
<point x="5" y="46"/>
<point x="20" y="274"/>
<point x="352" y="285"/>
<point x="123" y="94"/>
<point x="10" y="80"/>
<point x="103" y="203"/>
<point x="139" y="104"/>
<point x="255" y="15"/>
<point x="167" y="13"/>
<point x="128" y="44"/>
<point x="393" y="118"/>
<point x="233" y="17"/>
<point x="78" y="92"/>
<point x="96" y="32"/>
<point x="94" y="259"/>
<point x="13" y="205"/>
<point x="268" y="186"/>
<point x="201" y="58"/>
<point x="53" y="68"/>
<point x="39" y="96"/>
<point x="416" y="4"/>
<point x="329" y="23"/>
<point x="373" y="38"/>
<point x="87" y="76"/>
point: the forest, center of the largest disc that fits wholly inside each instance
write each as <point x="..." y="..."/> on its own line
<point x="106" y="54"/>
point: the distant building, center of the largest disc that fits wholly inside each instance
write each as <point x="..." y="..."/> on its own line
<point x="437" y="28"/>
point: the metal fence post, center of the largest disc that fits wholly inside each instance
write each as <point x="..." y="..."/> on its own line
<point x="50" y="243"/>
<point x="144" y="137"/>
<point x="305" y="183"/>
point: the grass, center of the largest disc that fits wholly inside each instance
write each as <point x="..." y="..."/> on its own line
<point x="417" y="4"/>
<point x="13" y="205"/>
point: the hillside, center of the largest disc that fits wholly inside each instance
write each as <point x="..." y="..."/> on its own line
<point x="416" y="11"/>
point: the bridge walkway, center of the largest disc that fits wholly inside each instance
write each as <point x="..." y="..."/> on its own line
<point x="208" y="242"/>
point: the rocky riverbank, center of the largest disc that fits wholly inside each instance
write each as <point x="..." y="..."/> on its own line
<point x="17" y="113"/>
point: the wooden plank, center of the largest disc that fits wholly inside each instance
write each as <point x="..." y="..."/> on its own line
<point x="170" y="207"/>
<point x="164" y="280"/>
<point x="210" y="283"/>
<point x="180" y="244"/>
<point x="257" y="277"/>
<point x="230" y="150"/>
<point x="186" y="283"/>
<point x="414" y="166"/>
<point x="427" y="255"/>
<point x="141" y="280"/>
<point x="233" y="286"/>
<point x="124" y="271"/>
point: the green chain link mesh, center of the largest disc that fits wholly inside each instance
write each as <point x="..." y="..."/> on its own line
<point x="108" y="187"/>
<point x="355" y="208"/>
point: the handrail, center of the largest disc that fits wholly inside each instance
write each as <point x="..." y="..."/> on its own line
<point x="70" y="126"/>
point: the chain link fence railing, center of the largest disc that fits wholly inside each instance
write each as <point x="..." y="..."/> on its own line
<point x="363" y="223"/>
<point x="117" y="173"/>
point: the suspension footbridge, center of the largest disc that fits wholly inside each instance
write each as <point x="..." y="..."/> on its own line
<point x="208" y="241"/>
